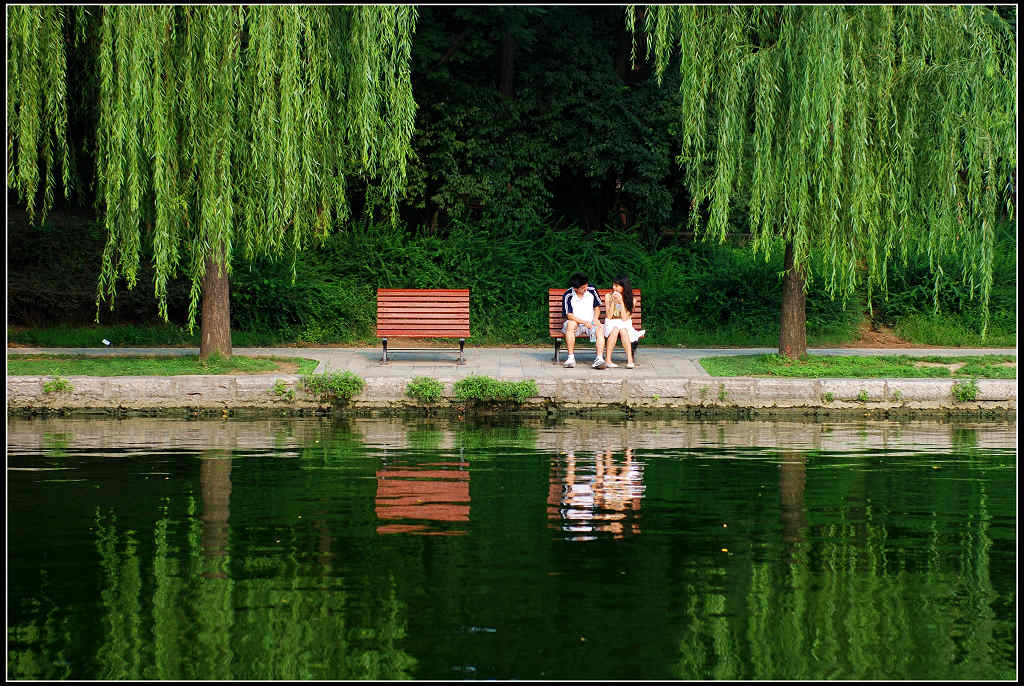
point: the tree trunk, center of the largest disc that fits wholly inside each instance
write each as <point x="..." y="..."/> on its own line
<point x="793" y="320"/>
<point x="506" y="66"/>
<point x="215" y="325"/>
<point x="623" y="51"/>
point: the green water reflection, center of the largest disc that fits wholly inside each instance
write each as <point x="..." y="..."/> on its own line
<point x="381" y="549"/>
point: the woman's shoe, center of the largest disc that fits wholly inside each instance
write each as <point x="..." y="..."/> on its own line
<point x="630" y="365"/>
<point x="611" y="364"/>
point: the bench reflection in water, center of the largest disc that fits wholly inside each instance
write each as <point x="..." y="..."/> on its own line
<point x="426" y="495"/>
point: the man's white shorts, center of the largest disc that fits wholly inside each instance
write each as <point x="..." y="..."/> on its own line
<point x="583" y="330"/>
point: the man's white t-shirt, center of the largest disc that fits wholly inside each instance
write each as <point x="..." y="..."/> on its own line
<point x="581" y="307"/>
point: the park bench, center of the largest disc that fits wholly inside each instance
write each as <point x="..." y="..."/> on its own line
<point x="555" y="317"/>
<point x="422" y="313"/>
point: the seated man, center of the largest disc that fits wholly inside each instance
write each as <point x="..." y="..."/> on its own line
<point x="580" y="305"/>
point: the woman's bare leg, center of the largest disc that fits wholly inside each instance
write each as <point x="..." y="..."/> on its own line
<point x="610" y="343"/>
<point x="628" y="346"/>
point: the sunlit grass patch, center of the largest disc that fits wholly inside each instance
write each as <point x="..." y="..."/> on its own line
<point x="156" y="365"/>
<point x="856" y="366"/>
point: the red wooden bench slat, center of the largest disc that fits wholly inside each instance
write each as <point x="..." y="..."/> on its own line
<point x="447" y="299"/>
<point x="421" y="291"/>
<point x="417" y="321"/>
<point x="419" y="333"/>
<point x="446" y="311"/>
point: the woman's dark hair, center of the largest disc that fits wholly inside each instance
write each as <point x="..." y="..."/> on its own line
<point x="577" y="280"/>
<point x="627" y="292"/>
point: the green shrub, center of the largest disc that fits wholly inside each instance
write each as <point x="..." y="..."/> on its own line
<point x="333" y="387"/>
<point x="965" y="391"/>
<point x="486" y="389"/>
<point x="425" y="389"/>
<point x="57" y="385"/>
<point x="282" y="391"/>
<point x="862" y="397"/>
<point x="829" y="397"/>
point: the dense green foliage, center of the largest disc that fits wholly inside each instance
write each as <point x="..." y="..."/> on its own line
<point x="694" y="294"/>
<point x="867" y="132"/>
<point x="857" y="366"/>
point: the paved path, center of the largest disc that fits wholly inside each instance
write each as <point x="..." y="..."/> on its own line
<point x="512" y="363"/>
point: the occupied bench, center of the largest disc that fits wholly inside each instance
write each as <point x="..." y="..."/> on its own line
<point x="555" y="317"/>
<point x="423" y="313"/>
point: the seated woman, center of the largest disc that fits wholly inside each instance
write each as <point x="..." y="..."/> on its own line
<point x="618" y="322"/>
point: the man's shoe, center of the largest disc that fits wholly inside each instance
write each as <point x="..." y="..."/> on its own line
<point x="599" y="363"/>
<point x="570" y="362"/>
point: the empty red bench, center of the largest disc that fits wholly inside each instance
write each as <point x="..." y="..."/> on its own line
<point x="422" y="313"/>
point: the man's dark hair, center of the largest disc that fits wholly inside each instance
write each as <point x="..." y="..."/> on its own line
<point x="577" y="280"/>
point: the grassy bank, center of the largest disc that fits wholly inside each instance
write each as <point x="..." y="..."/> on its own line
<point x="83" y="365"/>
<point x="875" y="366"/>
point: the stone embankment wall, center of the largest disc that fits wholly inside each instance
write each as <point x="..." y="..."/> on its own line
<point x="269" y="392"/>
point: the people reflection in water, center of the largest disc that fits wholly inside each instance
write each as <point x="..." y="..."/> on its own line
<point x="603" y="496"/>
<point x="416" y="499"/>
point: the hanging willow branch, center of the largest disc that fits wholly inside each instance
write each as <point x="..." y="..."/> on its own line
<point x="36" y="102"/>
<point x="220" y="128"/>
<point x="863" y="131"/>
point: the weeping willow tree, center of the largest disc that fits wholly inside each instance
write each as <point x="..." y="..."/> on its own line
<point x="864" y="133"/>
<point x="219" y="129"/>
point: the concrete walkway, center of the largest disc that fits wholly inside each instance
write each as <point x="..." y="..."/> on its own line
<point x="512" y="363"/>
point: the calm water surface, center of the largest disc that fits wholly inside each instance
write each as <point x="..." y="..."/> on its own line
<point x="576" y="549"/>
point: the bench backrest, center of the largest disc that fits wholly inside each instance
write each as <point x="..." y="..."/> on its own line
<point x="423" y="312"/>
<point x="555" y="318"/>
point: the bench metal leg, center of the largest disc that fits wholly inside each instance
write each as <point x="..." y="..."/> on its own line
<point x="462" y="345"/>
<point x="384" y="343"/>
<point x="558" y="344"/>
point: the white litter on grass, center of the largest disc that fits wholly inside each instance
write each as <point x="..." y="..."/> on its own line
<point x="106" y="342"/>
